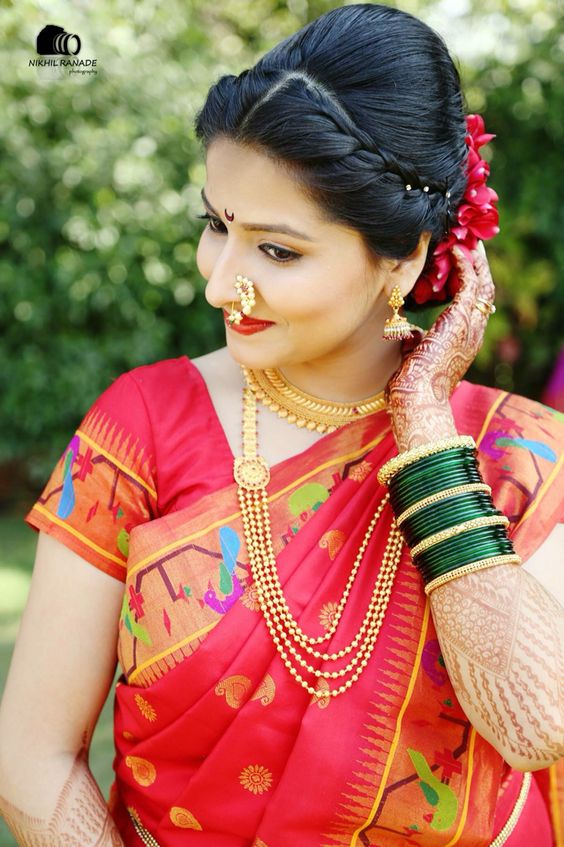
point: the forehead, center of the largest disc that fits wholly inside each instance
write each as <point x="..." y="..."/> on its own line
<point x="252" y="184"/>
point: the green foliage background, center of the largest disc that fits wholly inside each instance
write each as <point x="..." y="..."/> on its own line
<point x="101" y="178"/>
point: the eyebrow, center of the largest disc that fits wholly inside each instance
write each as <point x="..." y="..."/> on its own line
<point x="280" y="228"/>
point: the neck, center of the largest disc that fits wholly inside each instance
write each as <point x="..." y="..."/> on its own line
<point x="346" y="376"/>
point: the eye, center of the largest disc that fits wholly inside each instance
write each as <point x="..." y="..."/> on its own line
<point x="213" y="222"/>
<point x="287" y="255"/>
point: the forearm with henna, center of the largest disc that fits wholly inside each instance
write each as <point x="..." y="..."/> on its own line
<point x="502" y="635"/>
<point x="80" y="819"/>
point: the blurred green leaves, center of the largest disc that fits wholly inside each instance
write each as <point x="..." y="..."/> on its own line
<point x="524" y="103"/>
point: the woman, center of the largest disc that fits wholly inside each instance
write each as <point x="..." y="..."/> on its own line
<point x="295" y="669"/>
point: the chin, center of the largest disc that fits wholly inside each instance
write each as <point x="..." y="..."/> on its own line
<point x="255" y="359"/>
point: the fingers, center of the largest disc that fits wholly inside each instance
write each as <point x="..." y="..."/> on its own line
<point x="487" y="287"/>
<point x="477" y="283"/>
<point x="470" y="284"/>
<point x="409" y="344"/>
<point x="465" y="317"/>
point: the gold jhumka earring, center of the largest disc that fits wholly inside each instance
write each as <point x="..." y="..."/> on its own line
<point x="398" y="327"/>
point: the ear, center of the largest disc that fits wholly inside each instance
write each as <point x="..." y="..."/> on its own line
<point x="405" y="272"/>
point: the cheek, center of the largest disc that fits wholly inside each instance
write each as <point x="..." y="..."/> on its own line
<point x="289" y="294"/>
<point x="320" y="300"/>
<point x="300" y="292"/>
<point x="296" y="301"/>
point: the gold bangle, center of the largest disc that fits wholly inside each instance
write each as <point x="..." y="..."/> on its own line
<point x="397" y="463"/>
<point x="471" y="567"/>
<point x="458" y="529"/>
<point x="442" y="495"/>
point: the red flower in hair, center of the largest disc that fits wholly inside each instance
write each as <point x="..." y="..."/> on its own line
<point x="477" y="220"/>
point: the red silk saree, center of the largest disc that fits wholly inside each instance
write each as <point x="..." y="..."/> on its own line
<point x="216" y="744"/>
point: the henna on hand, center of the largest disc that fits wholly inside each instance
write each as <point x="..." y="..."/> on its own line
<point x="418" y="393"/>
<point x="81" y="817"/>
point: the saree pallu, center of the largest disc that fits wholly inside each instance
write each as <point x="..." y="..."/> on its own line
<point x="217" y="744"/>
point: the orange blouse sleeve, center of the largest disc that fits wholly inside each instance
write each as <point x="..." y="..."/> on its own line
<point x="104" y="484"/>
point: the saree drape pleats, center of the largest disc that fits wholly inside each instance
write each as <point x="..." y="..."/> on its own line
<point x="216" y="743"/>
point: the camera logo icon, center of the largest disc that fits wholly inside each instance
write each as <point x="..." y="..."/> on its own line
<point x="53" y="40"/>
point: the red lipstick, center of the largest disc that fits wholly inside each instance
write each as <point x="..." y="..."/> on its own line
<point x="248" y="325"/>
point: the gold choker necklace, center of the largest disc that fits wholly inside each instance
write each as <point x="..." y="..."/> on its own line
<point x="297" y="406"/>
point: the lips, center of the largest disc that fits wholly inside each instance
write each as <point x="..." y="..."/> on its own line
<point x="247" y="321"/>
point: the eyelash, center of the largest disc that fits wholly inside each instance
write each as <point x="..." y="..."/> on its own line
<point x="289" y="253"/>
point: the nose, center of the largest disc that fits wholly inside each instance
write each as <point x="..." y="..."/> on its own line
<point x="220" y="289"/>
<point x="221" y="265"/>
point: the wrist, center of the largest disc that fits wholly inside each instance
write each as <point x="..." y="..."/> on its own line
<point x="445" y="511"/>
<point x="414" y="425"/>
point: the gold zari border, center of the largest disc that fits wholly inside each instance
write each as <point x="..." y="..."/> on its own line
<point x="498" y="841"/>
<point x="143" y="833"/>
<point x="511" y="821"/>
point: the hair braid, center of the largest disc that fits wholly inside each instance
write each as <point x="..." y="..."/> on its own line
<point x="373" y="134"/>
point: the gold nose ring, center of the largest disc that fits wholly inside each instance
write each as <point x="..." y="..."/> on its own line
<point x="246" y="291"/>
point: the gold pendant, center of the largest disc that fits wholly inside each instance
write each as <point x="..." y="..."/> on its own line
<point x="252" y="473"/>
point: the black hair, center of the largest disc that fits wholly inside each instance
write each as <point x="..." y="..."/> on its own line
<point x="358" y="104"/>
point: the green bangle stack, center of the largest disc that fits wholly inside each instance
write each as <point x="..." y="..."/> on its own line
<point x="445" y="511"/>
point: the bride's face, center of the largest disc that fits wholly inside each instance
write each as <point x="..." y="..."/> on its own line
<point x="316" y="283"/>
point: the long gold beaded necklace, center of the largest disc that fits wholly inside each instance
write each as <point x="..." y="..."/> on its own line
<point x="252" y="474"/>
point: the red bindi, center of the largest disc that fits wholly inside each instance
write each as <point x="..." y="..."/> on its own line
<point x="229" y="217"/>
